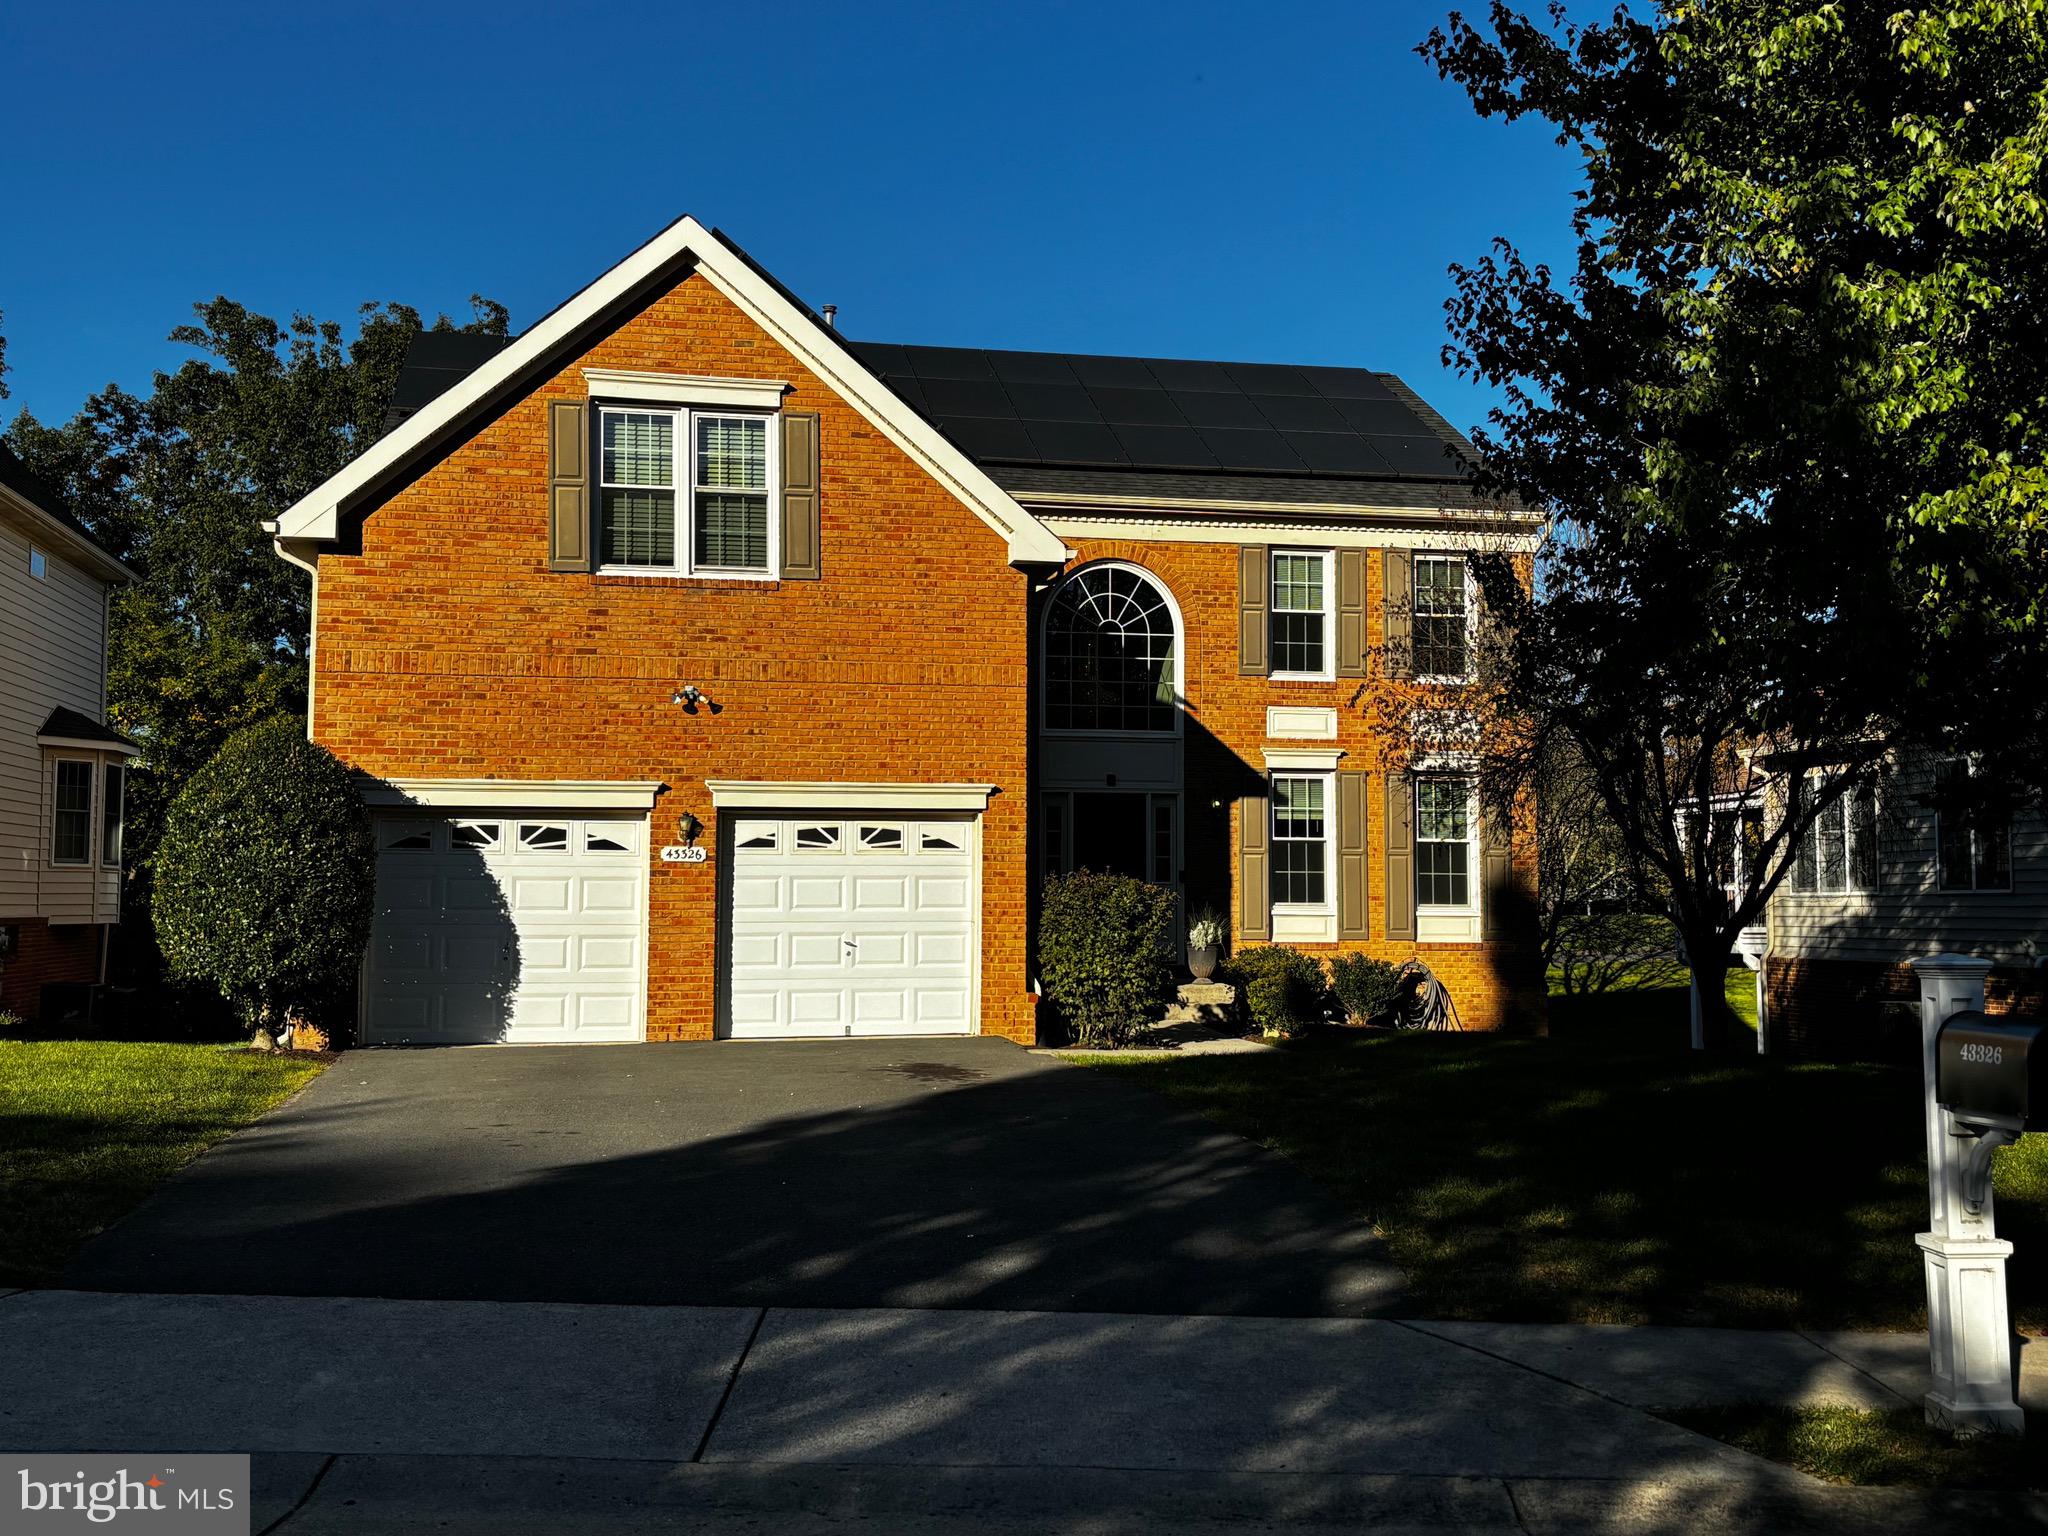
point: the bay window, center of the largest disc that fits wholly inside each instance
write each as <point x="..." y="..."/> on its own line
<point x="71" y="812"/>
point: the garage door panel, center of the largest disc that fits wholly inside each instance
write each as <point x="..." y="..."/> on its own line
<point x="510" y="940"/>
<point x="904" y="892"/>
<point x="817" y="893"/>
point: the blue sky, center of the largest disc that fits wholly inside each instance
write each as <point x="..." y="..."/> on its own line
<point x="1273" y="183"/>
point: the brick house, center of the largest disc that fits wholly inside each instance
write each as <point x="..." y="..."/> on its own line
<point x="712" y="675"/>
<point x="62" y="771"/>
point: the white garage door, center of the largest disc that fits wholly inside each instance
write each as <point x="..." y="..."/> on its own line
<point x="515" y="928"/>
<point x="852" y="926"/>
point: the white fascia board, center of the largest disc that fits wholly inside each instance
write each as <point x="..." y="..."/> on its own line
<point x="816" y="795"/>
<point x="684" y="388"/>
<point x="73" y="744"/>
<point x="1304" y="759"/>
<point x="1366" y="528"/>
<point x="514" y="794"/>
<point x="316" y="516"/>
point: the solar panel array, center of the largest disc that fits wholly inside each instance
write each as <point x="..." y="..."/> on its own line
<point x="1074" y="410"/>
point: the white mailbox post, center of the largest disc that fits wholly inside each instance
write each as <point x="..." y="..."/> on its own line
<point x="1969" y="1332"/>
<point x="1751" y="944"/>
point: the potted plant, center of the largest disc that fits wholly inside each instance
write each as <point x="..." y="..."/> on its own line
<point x="1205" y="943"/>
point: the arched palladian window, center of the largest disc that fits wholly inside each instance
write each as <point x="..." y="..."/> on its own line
<point x="1112" y="653"/>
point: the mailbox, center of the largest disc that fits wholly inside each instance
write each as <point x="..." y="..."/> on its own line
<point x="1993" y="1072"/>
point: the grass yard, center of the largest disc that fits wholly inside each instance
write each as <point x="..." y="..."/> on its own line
<point x="87" y="1128"/>
<point x="1854" y="1445"/>
<point x="1608" y="1175"/>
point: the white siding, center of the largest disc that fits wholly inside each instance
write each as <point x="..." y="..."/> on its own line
<point x="1908" y="914"/>
<point x="52" y="638"/>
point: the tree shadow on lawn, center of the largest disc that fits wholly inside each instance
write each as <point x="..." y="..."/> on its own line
<point x="1607" y="1174"/>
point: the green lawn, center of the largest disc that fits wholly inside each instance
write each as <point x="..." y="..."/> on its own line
<point x="1608" y="1174"/>
<point x="1854" y="1445"/>
<point x="87" y="1128"/>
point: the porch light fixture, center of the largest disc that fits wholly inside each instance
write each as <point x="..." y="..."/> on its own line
<point x="689" y="828"/>
<point x="689" y="696"/>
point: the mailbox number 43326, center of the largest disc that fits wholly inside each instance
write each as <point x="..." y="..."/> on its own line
<point x="1993" y="1054"/>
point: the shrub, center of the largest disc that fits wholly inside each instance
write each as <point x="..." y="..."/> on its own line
<point x="1105" y="944"/>
<point x="1281" y="990"/>
<point x="1366" y="988"/>
<point x="265" y="877"/>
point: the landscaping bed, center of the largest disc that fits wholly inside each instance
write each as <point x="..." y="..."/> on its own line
<point x="1609" y="1175"/>
<point x="87" y="1128"/>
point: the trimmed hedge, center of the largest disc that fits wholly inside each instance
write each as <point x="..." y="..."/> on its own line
<point x="1366" y="988"/>
<point x="265" y="879"/>
<point x="1105" y="944"/>
<point x="1281" y="990"/>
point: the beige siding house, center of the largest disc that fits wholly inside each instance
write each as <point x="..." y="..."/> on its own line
<point x="62" y="771"/>
<point x="1884" y="881"/>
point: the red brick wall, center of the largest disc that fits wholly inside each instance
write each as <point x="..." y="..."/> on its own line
<point x="46" y="955"/>
<point x="446" y="649"/>
<point x="1496" y="985"/>
<point x="1849" y="1010"/>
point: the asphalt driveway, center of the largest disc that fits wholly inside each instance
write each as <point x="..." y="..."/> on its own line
<point x="932" y="1173"/>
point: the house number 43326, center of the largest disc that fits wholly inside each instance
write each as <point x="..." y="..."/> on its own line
<point x="1992" y="1054"/>
<point x="676" y="853"/>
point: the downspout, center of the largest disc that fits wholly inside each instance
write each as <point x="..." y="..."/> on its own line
<point x="312" y="569"/>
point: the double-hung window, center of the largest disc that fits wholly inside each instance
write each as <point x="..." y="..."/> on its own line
<point x="1301" y="840"/>
<point x="1445" y="830"/>
<point x="1838" y="854"/>
<point x="1973" y="852"/>
<point x="71" y="813"/>
<point x="684" y="492"/>
<point x="1300" y="613"/>
<point x="1442" y="619"/>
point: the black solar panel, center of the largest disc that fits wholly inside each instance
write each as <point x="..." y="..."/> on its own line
<point x="1182" y="414"/>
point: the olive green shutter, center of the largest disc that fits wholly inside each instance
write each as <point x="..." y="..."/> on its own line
<point x="1251" y="611"/>
<point x="1353" y="908"/>
<point x="1400" y="856"/>
<point x="1351" y="613"/>
<point x="568" y="485"/>
<point x="1254" y="868"/>
<point x="1496" y="871"/>
<point x="801" y="557"/>
<point x="1398" y="606"/>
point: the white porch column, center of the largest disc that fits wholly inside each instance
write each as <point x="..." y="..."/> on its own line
<point x="1969" y="1332"/>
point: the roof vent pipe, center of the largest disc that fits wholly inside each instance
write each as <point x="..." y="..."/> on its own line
<point x="832" y="316"/>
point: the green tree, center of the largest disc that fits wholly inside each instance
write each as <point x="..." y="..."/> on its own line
<point x="180" y="482"/>
<point x="266" y="875"/>
<point x="1785" y="413"/>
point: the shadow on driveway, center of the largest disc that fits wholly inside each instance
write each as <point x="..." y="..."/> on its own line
<point x="935" y="1173"/>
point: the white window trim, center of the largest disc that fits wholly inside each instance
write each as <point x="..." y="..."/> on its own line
<point x="1469" y="908"/>
<point x="119" y="828"/>
<point x="1448" y="679"/>
<point x="1327" y="907"/>
<point x="1327" y="673"/>
<point x="1972" y="889"/>
<point x="683" y="487"/>
<point x="614" y="384"/>
<point x="92" y="820"/>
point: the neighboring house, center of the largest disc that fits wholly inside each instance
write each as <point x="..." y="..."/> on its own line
<point x="1882" y="879"/>
<point x="61" y="770"/>
<point x="712" y="675"/>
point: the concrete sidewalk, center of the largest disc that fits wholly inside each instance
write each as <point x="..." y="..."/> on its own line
<point x="484" y="1416"/>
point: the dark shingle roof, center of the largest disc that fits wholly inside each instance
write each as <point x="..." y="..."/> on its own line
<point x="69" y="725"/>
<point x="32" y="488"/>
<point x="1076" y="410"/>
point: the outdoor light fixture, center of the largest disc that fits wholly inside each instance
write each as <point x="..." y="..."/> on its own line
<point x="689" y="696"/>
<point x="689" y="828"/>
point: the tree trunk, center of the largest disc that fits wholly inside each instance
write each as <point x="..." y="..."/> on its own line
<point x="1710" y="978"/>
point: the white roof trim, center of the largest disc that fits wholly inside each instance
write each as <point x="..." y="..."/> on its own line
<point x="317" y="515"/>
<point x="630" y="384"/>
<point x="515" y="794"/>
<point x="813" y="795"/>
<point x="75" y="744"/>
<point x="1304" y="759"/>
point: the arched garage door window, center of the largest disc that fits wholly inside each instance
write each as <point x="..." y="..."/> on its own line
<point x="1112" y="653"/>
